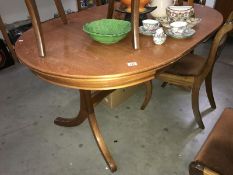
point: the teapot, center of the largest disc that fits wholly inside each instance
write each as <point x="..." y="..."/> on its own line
<point x="160" y="11"/>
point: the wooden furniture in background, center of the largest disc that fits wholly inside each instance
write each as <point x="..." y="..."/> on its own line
<point x="7" y="40"/>
<point x="224" y="7"/>
<point x="215" y="155"/>
<point x="74" y="60"/>
<point x="192" y="70"/>
<point x="191" y="2"/>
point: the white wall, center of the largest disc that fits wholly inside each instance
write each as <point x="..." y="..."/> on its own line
<point x="14" y="10"/>
<point x="210" y="3"/>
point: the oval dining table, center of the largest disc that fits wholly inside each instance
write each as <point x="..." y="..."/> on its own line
<point x="74" y="60"/>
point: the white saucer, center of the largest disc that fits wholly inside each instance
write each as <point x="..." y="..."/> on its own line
<point x="146" y="32"/>
<point x="191" y="22"/>
<point x="187" y="34"/>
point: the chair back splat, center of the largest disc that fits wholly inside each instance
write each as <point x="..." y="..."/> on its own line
<point x="218" y="44"/>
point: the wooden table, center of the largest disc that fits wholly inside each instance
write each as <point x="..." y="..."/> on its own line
<point x="74" y="60"/>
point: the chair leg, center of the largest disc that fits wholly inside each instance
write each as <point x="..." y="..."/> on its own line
<point x="195" y="105"/>
<point x="209" y="90"/>
<point x="148" y="95"/>
<point x="195" y="168"/>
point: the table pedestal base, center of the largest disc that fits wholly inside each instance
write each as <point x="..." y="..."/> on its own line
<point x="87" y="103"/>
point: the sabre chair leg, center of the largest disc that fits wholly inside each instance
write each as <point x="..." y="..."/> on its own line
<point x="71" y="122"/>
<point x="195" y="105"/>
<point x="36" y="24"/>
<point x="96" y="132"/>
<point x="209" y="90"/>
<point x="148" y="95"/>
<point x="135" y="23"/>
<point x="61" y="11"/>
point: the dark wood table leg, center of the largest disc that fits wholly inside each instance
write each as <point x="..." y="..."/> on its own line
<point x="70" y="122"/>
<point x="96" y="131"/>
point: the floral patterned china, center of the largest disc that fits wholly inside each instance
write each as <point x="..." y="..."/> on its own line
<point x="179" y="13"/>
<point x="188" y="33"/>
<point x="159" y="37"/>
<point x="150" y="24"/>
<point x="146" y="32"/>
<point x="178" y="27"/>
<point x="192" y="22"/>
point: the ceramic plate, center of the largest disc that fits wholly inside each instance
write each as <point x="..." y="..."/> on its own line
<point x="145" y="32"/>
<point x="187" y="34"/>
<point x="191" y="22"/>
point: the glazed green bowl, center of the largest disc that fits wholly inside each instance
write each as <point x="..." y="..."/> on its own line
<point x="107" y="31"/>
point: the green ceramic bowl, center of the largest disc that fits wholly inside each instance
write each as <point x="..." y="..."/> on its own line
<point x="107" y="31"/>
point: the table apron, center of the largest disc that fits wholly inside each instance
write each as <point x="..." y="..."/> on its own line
<point x="98" y="83"/>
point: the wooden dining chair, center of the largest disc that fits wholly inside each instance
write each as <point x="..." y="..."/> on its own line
<point x="192" y="70"/>
<point x="7" y="40"/>
<point x="215" y="155"/>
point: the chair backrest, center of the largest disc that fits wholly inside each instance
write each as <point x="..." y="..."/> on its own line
<point x="33" y="12"/>
<point x="218" y="43"/>
<point x="7" y="40"/>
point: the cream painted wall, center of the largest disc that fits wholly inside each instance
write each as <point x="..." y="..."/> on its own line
<point x="14" y="10"/>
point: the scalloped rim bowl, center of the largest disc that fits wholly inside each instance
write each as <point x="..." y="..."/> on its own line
<point x="107" y="31"/>
<point x="179" y="13"/>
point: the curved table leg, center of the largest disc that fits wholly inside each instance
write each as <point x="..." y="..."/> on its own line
<point x="96" y="132"/>
<point x="70" y="122"/>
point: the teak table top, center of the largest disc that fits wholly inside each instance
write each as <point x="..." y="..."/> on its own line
<point x="74" y="60"/>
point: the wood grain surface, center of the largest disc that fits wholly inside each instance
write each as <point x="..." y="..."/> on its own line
<point x="74" y="60"/>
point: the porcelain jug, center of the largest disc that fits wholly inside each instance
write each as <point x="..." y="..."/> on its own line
<point x="160" y="11"/>
<point x="159" y="37"/>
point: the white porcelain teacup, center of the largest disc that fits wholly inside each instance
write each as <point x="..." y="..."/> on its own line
<point x="178" y="27"/>
<point x="150" y="24"/>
